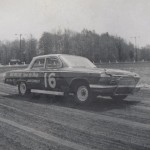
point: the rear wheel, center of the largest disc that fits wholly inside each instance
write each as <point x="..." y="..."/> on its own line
<point x="119" y="97"/>
<point x="22" y="88"/>
<point x="82" y="93"/>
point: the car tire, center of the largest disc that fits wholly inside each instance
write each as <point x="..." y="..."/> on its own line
<point x="82" y="93"/>
<point x="23" y="90"/>
<point x="119" y="97"/>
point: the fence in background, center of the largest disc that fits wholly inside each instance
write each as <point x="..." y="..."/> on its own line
<point x="124" y="64"/>
<point x="120" y="65"/>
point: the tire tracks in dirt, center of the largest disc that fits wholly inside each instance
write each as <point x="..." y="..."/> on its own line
<point x="108" y="130"/>
<point x="126" y="128"/>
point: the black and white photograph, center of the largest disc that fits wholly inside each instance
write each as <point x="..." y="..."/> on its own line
<point x="75" y="75"/>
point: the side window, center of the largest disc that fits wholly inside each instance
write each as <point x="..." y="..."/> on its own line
<point x="38" y="64"/>
<point x="53" y="62"/>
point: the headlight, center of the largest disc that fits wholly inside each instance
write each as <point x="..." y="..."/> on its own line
<point x="136" y="75"/>
<point x="104" y="79"/>
<point x="104" y="75"/>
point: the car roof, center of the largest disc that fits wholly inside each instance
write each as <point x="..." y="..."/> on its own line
<point x="48" y="55"/>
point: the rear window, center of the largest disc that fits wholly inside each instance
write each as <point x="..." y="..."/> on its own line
<point x="53" y="62"/>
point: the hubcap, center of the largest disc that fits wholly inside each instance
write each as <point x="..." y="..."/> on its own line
<point x="23" y="88"/>
<point x="82" y="93"/>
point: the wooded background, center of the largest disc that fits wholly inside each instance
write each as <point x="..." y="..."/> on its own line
<point x="98" y="48"/>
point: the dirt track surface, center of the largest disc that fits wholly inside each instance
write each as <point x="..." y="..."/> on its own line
<point x="39" y="122"/>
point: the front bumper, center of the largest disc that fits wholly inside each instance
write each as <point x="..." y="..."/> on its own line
<point x="122" y="85"/>
<point x="114" y="89"/>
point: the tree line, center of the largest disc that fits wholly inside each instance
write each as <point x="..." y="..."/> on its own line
<point x="96" y="47"/>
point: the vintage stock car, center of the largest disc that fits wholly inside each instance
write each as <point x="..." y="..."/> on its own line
<point x="60" y="74"/>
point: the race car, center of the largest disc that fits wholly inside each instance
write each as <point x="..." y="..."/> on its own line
<point x="62" y="75"/>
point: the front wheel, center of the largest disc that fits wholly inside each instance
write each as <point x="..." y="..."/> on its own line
<point x="82" y="93"/>
<point x="119" y="97"/>
<point x="22" y="88"/>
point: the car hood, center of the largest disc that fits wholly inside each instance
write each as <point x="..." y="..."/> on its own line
<point x="118" y="72"/>
<point x="113" y="72"/>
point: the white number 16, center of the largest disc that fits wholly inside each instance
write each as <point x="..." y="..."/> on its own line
<point x="51" y="80"/>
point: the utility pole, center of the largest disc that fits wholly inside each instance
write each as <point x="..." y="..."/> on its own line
<point x="135" y="48"/>
<point x="20" y="46"/>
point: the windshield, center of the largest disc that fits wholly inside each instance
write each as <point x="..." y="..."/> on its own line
<point x="76" y="61"/>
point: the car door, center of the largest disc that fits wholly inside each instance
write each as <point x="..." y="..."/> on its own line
<point x="52" y="76"/>
<point x="35" y="76"/>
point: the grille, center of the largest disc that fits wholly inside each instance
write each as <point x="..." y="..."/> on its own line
<point x="114" y="80"/>
<point x="126" y="85"/>
<point x="127" y="81"/>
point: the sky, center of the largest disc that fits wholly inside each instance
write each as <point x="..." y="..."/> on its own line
<point x="124" y="18"/>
